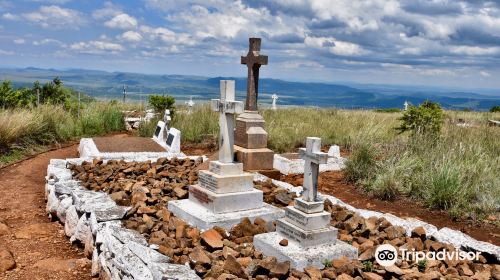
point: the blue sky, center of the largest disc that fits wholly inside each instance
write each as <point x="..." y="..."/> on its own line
<point x="423" y="42"/>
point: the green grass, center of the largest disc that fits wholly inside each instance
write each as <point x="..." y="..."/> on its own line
<point x="457" y="172"/>
<point x="22" y="130"/>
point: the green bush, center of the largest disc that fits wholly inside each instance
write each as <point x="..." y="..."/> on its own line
<point x="425" y="119"/>
<point x="388" y="110"/>
<point x="495" y="109"/>
<point x="362" y="165"/>
<point x="160" y="103"/>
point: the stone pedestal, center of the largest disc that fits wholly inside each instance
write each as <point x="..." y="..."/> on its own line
<point x="251" y="142"/>
<point x="224" y="196"/>
<point x="311" y="238"/>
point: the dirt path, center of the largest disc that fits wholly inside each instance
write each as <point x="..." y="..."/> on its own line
<point x="39" y="246"/>
<point x="333" y="183"/>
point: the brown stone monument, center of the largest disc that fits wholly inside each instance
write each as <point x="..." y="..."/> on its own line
<point x="251" y="138"/>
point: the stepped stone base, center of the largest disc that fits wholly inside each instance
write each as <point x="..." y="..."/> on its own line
<point x="306" y="238"/>
<point x="255" y="159"/>
<point x="299" y="257"/>
<point x="202" y="218"/>
<point x="226" y="202"/>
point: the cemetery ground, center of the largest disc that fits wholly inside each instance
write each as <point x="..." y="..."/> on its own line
<point x="287" y="129"/>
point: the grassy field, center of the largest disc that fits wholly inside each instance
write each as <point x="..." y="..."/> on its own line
<point x="458" y="171"/>
<point x="24" y="131"/>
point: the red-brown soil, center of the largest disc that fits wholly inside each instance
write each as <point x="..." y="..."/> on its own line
<point x="125" y="143"/>
<point x="333" y="183"/>
<point x="40" y="248"/>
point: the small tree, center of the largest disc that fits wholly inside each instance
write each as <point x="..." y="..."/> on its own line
<point x="424" y="119"/>
<point x="160" y="103"/>
<point x="495" y="109"/>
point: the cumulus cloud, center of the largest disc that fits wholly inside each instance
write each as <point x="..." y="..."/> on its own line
<point x="109" y="10"/>
<point x="55" y="17"/>
<point x="9" y="16"/>
<point x="96" y="47"/>
<point x="122" y="21"/>
<point x="131" y="36"/>
<point x="48" y="41"/>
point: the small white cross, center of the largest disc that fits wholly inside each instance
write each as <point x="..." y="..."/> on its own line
<point x="314" y="157"/>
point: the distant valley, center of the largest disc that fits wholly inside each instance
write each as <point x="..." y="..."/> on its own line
<point x="109" y="85"/>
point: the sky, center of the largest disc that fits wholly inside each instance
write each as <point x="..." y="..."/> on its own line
<point x="407" y="42"/>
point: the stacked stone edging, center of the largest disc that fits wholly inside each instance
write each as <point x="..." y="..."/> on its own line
<point x="93" y="219"/>
<point x="456" y="238"/>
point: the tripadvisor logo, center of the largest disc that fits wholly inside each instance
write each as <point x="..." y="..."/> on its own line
<point x="387" y="255"/>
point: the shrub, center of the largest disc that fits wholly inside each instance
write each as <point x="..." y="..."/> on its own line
<point x="160" y="103"/>
<point x="361" y="165"/>
<point x="388" y="110"/>
<point x="495" y="109"/>
<point x="422" y="120"/>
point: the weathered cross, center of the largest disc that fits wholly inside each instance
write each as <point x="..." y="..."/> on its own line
<point x="227" y="107"/>
<point x="274" y="97"/>
<point x="253" y="60"/>
<point x="167" y="119"/>
<point x="313" y="157"/>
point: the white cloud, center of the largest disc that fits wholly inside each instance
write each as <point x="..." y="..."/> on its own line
<point x="19" y="41"/>
<point x="96" y="47"/>
<point x="485" y="74"/>
<point x="2" y="52"/>
<point x="56" y="17"/>
<point x="122" y="21"/>
<point x="475" y="51"/>
<point x="109" y="10"/>
<point x="131" y="36"/>
<point x="48" y="41"/>
<point x="9" y="16"/>
<point x="167" y="36"/>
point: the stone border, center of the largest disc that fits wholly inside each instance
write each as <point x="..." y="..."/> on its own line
<point x="94" y="220"/>
<point x="296" y="166"/>
<point x="456" y="238"/>
<point x="88" y="150"/>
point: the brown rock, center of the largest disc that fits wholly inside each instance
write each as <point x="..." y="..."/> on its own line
<point x="313" y="272"/>
<point x="180" y="192"/>
<point x="431" y="275"/>
<point x="369" y="254"/>
<point x="366" y="245"/>
<point x="234" y="267"/>
<point x="280" y="270"/>
<point x="244" y="261"/>
<point x="339" y="262"/>
<point x="464" y="270"/>
<point x="495" y="272"/>
<point x="284" y="242"/>
<point x="199" y="256"/>
<point x="138" y="196"/>
<point x="394" y="270"/>
<point x="329" y="273"/>
<point x="4" y="229"/>
<point x="7" y="261"/>
<point x="344" y="277"/>
<point x="228" y="251"/>
<point x="394" y="232"/>
<point x="353" y="223"/>
<point x="372" y="276"/>
<point x="226" y="276"/>
<point x="212" y="239"/>
<point x="166" y="250"/>
<point x="418" y="232"/>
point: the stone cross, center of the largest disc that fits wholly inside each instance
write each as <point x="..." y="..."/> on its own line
<point x="253" y="60"/>
<point x="227" y="107"/>
<point x="406" y="105"/>
<point x="167" y="118"/>
<point x="314" y="157"/>
<point x="274" y="97"/>
<point x="190" y="104"/>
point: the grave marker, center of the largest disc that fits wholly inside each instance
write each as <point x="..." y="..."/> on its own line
<point x="274" y="97"/>
<point x="224" y="194"/>
<point x="306" y="225"/>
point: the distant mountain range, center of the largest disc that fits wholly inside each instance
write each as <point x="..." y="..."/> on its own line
<point x="109" y="85"/>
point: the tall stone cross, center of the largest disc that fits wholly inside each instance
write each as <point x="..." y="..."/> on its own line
<point x="227" y="107"/>
<point x="274" y="97"/>
<point x="314" y="157"/>
<point x="253" y="60"/>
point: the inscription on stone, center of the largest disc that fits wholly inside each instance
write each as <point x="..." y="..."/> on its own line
<point x="170" y="139"/>
<point x="157" y="131"/>
<point x="200" y="196"/>
<point x="208" y="182"/>
<point x="292" y="234"/>
<point x="296" y="217"/>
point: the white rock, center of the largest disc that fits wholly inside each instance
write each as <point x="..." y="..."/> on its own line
<point x="162" y="271"/>
<point x="63" y="207"/>
<point x="82" y="230"/>
<point x="334" y="151"/>
<point x="71" y="221"/>
<point x="52" y="204"/>
<point x="462" y="241"/>
<point x="127" y="235"/>
<point x="146" y="254"/>
<point x="95" y="264"/>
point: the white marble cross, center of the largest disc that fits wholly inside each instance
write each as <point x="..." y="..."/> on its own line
<point x="406" y="104"/>
<point x="274" y="97"/>
<point x="314" y="157"/>
<point x="227" y="107"/>
<point x="190" y="104"/>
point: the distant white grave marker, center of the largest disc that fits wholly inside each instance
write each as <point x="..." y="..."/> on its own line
<point x="173" y="141"/>
<point x="274" y="97"/>
<point x="190" y="104"/>
<point x="406" y="104"/>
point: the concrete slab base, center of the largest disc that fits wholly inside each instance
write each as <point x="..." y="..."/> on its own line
<point x="200" y="217"/>
<point x="299" y="257"/>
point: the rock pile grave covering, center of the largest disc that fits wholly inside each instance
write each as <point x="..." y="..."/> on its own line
<point x="217" y="254"/>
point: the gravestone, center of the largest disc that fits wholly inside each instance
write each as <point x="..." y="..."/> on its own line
<point x="167" y="118"/>
<point x="406" y="104"/>
<point x="274" y="97"/>
<point x="225" y="193"/>
<point x="334" y="151"/>
<point x="306" y="225"/>
<point x="173" y="140"/>
<point x="190" y="104"/>
<point x="160" y="133"/>
<point x="251" y="138"/>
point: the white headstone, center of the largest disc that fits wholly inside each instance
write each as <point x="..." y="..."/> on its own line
<point x="406" y="104"/>
<point x="190" y="104"/>
<point x="173" y="140"/>
<point x="227" y="107"/>
<point x="334" y="151"/>
<point x="314" y="157"/>
<point x="160" y="132"/>
<point x="274" y="97"/>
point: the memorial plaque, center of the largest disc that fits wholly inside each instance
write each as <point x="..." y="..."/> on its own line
<point x="200" y="196"/>
<point x="157" y="131"/>
<point x="207" y="181"/>
<point x="170" y="139"/>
